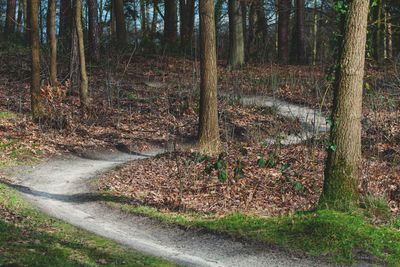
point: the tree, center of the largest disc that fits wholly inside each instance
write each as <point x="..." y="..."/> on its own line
<point x="298" y="51"/>
<point x="51" y="30"/>
<point x="21" y="8"/>
<point x="65" y="23"/>
<point x="186" y="11"/>
<point x="236" y="36"/>
<point x="170" y="24"/>
<point x="209" y="141"/>
<point x="120" y="21"/>
<point x="257" y="27"/>
<point x="284" y="7"/>
<point x="344" y="156"/>
<point x="83" y="89"/>
<point x="94" y="37"/>
<point x="36" y="105"/>
<point x="10" y="17"/>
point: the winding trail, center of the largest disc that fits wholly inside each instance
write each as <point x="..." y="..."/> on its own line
<point x="60" y="187"/>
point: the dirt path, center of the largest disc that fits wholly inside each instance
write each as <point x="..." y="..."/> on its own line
<point x="60" y="188"/>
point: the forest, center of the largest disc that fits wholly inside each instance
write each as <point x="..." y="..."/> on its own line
<point x="199" y="133"/>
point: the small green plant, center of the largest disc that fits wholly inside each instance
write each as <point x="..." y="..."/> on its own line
<point x="239" y="173"/>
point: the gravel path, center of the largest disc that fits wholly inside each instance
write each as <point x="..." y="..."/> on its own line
<point x="60" y="188"/>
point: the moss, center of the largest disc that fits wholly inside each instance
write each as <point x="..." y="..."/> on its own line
<point x="340" y="187"/>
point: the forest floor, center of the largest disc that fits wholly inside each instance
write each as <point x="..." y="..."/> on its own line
<point x="145" y="102"/>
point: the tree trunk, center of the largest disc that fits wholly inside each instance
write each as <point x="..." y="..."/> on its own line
<point x="94" y="37"/>
<point x="344" y="155"/>
<point x="186" y="10"/>
<point x="143" y="17"/>
<point x="28" y="22"/>
<point x="389" y="35"/>
<point x="155" y="18"/>
<point x="209" y="141"/>
<point x="257" y="28"/>
<point x="378" y="38"/>
<point x="10" y="17"/>
<point x="170" y="24"/>
<point x="51" y="30"/>
<point x="120" y="21"/>
<point x="236" y="36"/>
<point x="298" y="55"/>
<point x="65" y="24"/>
<point x="21" y="7"/>
<point x="284" y="7"/>
<point x="36" y="103"/>
<point x="83" y="89"/>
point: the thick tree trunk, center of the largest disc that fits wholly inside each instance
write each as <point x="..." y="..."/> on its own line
<point x="186" y="10"/>
<point x="36" y="103"/>
<point x="284" y="7"/>
<point x="10" y="17"/>
<point x="120" y="21"/>
<point x="83" y="89"/>
<point x="236" y="36"/>
<point x="344" y="156"/>
<point x="209" y="141"/>
<point x="94" y="37"/>
<point x="51" y="30"/>
<point x="65" y="23"/>
<point x="298" y="55"/>
<point x="170" y="24"/>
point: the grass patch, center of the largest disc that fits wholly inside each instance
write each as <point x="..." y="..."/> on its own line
<point x="30" y="238"/>
<point x="5" y="115"/>
<point x="338" y="236"/>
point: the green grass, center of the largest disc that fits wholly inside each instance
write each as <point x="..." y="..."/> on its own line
<point x="30" y="238"/>
<point x="336" y="236"/>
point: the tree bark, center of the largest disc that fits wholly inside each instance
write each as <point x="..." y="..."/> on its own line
<point x="21" y="7"/>
<point x="236" y="36"/>
<point x="284" y="7"/>
<point x="10" y="17"/>
<point x="186" y="10"/>
<point x="257" y="28"/>
<point x="343" y="164"/>
<point x="155" y="18"/>
<point x="83" y="88"/>
<point x="65" y="23"/>
<point x="36" y="103"/>
<point x="120" y="21"/>
<point x="298" y="55"/>
<point x="209" y="141"/>
<point x="94" y="37"/>
<point x="170" y="24"/>
<point x="51" y="30"/>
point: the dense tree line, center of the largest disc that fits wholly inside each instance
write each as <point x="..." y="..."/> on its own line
<point x="285" y="31"/>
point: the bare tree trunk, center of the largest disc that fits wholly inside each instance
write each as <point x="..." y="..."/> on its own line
<point x="28" y="21"/>
<point x="236" y="36"/>
<point x="83" y="89"/>
<point x="298" y="55"/>
<point x="120" y="21"/>
<point x="155" y="18"/>
<point x="94" y="37"/>
<point x="143" y="17"/>
<point x="21" y="7"/>
<point x="284" y="7"/>
<point x="389" y="35"/>
<point x="10" y="17"/>
<point x="170" y="24"/>
<point x="344" y="156"/>
<point x="257" y="28"/>
<point x="36" y="104"/>
<point x="186" y="10"/>
<point x="209" y="141"/>
<point x="51" y="30"/>
<point x="65" y="23"/>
